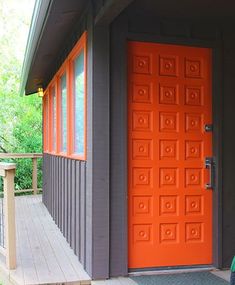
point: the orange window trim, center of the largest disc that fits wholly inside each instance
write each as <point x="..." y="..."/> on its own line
<point x="58" y="116"/>
<point x="66" y="68"/>
<point x="81" y="46"/>
<point x="45" y="122"/>
<point x="62" y="71"/>
<point x="51" y="119"/>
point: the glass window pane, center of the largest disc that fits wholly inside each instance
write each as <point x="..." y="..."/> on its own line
<point x="54" y="119"/>
<point x="46" y="120"/>
<point x="79" y="98"/>
<point x="63" y="113"/>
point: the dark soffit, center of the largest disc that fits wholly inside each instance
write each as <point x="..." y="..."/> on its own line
<point x="51" y="23"/>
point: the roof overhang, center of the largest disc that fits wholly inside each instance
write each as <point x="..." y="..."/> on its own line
<point x="40" y="13"/>
<point x="52" y="21"/>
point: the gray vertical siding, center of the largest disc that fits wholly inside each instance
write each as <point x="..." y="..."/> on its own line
<point x="76" y="193"/>
<point x="100" y="166"/>
<point x="88" y="200"/>
<point x="118" y="145"/>
<point x="87" y="256"/>
<point x="228" y="198"/>
<point x="64" y="184"/>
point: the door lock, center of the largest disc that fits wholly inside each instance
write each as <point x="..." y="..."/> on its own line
<point x="208" y="128"/>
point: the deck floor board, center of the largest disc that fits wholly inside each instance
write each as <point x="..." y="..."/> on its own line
<point x="43" y="254"/>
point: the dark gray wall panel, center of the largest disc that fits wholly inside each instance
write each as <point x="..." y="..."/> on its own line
<point x="101" y="247"/>
<point x="82" y="220"/>
<point x="64" y="187"/>
<point x="89" y="173"/>
<point x="228" y="202"/>
<point x="118" y="145"/>
<point x="77" y="211"/>
<point x="100" y="154"/>
<point x="91" y="202"/>
<point x="73" y="229"/>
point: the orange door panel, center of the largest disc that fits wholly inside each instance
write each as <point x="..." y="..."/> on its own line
<point x="170" y="211"/>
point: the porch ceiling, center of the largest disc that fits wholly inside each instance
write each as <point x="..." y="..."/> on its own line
<point x="54" y="19"/>
<point x="52" y="22"/>
<point x="199" y="10"/>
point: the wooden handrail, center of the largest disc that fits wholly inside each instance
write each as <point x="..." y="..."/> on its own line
<point x="7" y="171"/>
<point x="34" y="157"/>
<point x="20" y="155"/>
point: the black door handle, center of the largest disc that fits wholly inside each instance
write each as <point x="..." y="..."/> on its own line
<point x="209" y="164"/>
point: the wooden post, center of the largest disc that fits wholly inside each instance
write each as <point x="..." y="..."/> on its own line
<point x="9" y="212"/>
<point x="35" y="176"/>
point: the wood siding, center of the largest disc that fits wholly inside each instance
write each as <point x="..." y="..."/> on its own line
<point x="88" y="200"/>
<point x="76" y="192"/>
<point x="64" y="187"/>
<point x="227" y="170"/>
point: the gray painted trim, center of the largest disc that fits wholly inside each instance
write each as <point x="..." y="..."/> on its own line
<point x="72" y="221"/>
<point x="100" y="154"/>
<point x="217" y="107"/>
<point x="97" y="175"/>
<point x="228" y="195"/>
<point x="89" y="173"/>
<point x="40" y="13"/>
<point x="110" y="10"/>
<point x="118" y="145"/>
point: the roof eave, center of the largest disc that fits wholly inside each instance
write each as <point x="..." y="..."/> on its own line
<point x="39" y="18"/>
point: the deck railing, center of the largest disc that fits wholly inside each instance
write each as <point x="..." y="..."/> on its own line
<point x="34" y="157"/>
<point x="8" y="229"/>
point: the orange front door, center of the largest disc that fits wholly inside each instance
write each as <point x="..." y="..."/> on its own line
<point x="170" y="210"/>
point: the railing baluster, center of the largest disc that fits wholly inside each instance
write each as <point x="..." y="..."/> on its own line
<point x="7" y="171"/>
<point x="9" y="205"/>
<point x="35" y="176"/>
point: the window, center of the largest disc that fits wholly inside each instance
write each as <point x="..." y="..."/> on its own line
<point x="67" y="115"/>
<point x="63" y="94"/>
<point x="79" y="103"/>
<point x="45" y="123"/>
<point x="53" y="119"/>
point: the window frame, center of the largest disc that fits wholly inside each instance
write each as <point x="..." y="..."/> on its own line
<point x="62" y="71"/>
<point x="52" y="120"/>
<point x="75" y="53"/>
<point x="66" y="68"/>
<point x="45" y="123"/>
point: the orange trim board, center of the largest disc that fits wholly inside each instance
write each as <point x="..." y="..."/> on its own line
<point x="67" y="69"/>
<point x="169" y="102"/>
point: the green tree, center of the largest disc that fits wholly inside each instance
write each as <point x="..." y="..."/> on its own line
<point x="20" y="117"/>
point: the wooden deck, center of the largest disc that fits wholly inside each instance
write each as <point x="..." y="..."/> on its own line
<point x="43" y="254"/>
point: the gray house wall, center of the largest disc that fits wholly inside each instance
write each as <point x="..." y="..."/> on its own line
<point x="88" y="200"/>
<point x="137" y="25"/>
<point x="64" y="185"/>
<point x="228" y="198"/>
<point x="75" y="192"/>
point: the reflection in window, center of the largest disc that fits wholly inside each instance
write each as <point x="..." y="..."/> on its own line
<point x="46" y="121"/>
<point x="63" y="113"/>
<point x="54" y="119"/>
<point x="79" y="105"/>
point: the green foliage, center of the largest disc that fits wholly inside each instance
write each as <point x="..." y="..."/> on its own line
<point x="20" y="117"/>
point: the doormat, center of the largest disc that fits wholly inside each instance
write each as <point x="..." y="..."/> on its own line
<point x="192" y="278"/>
